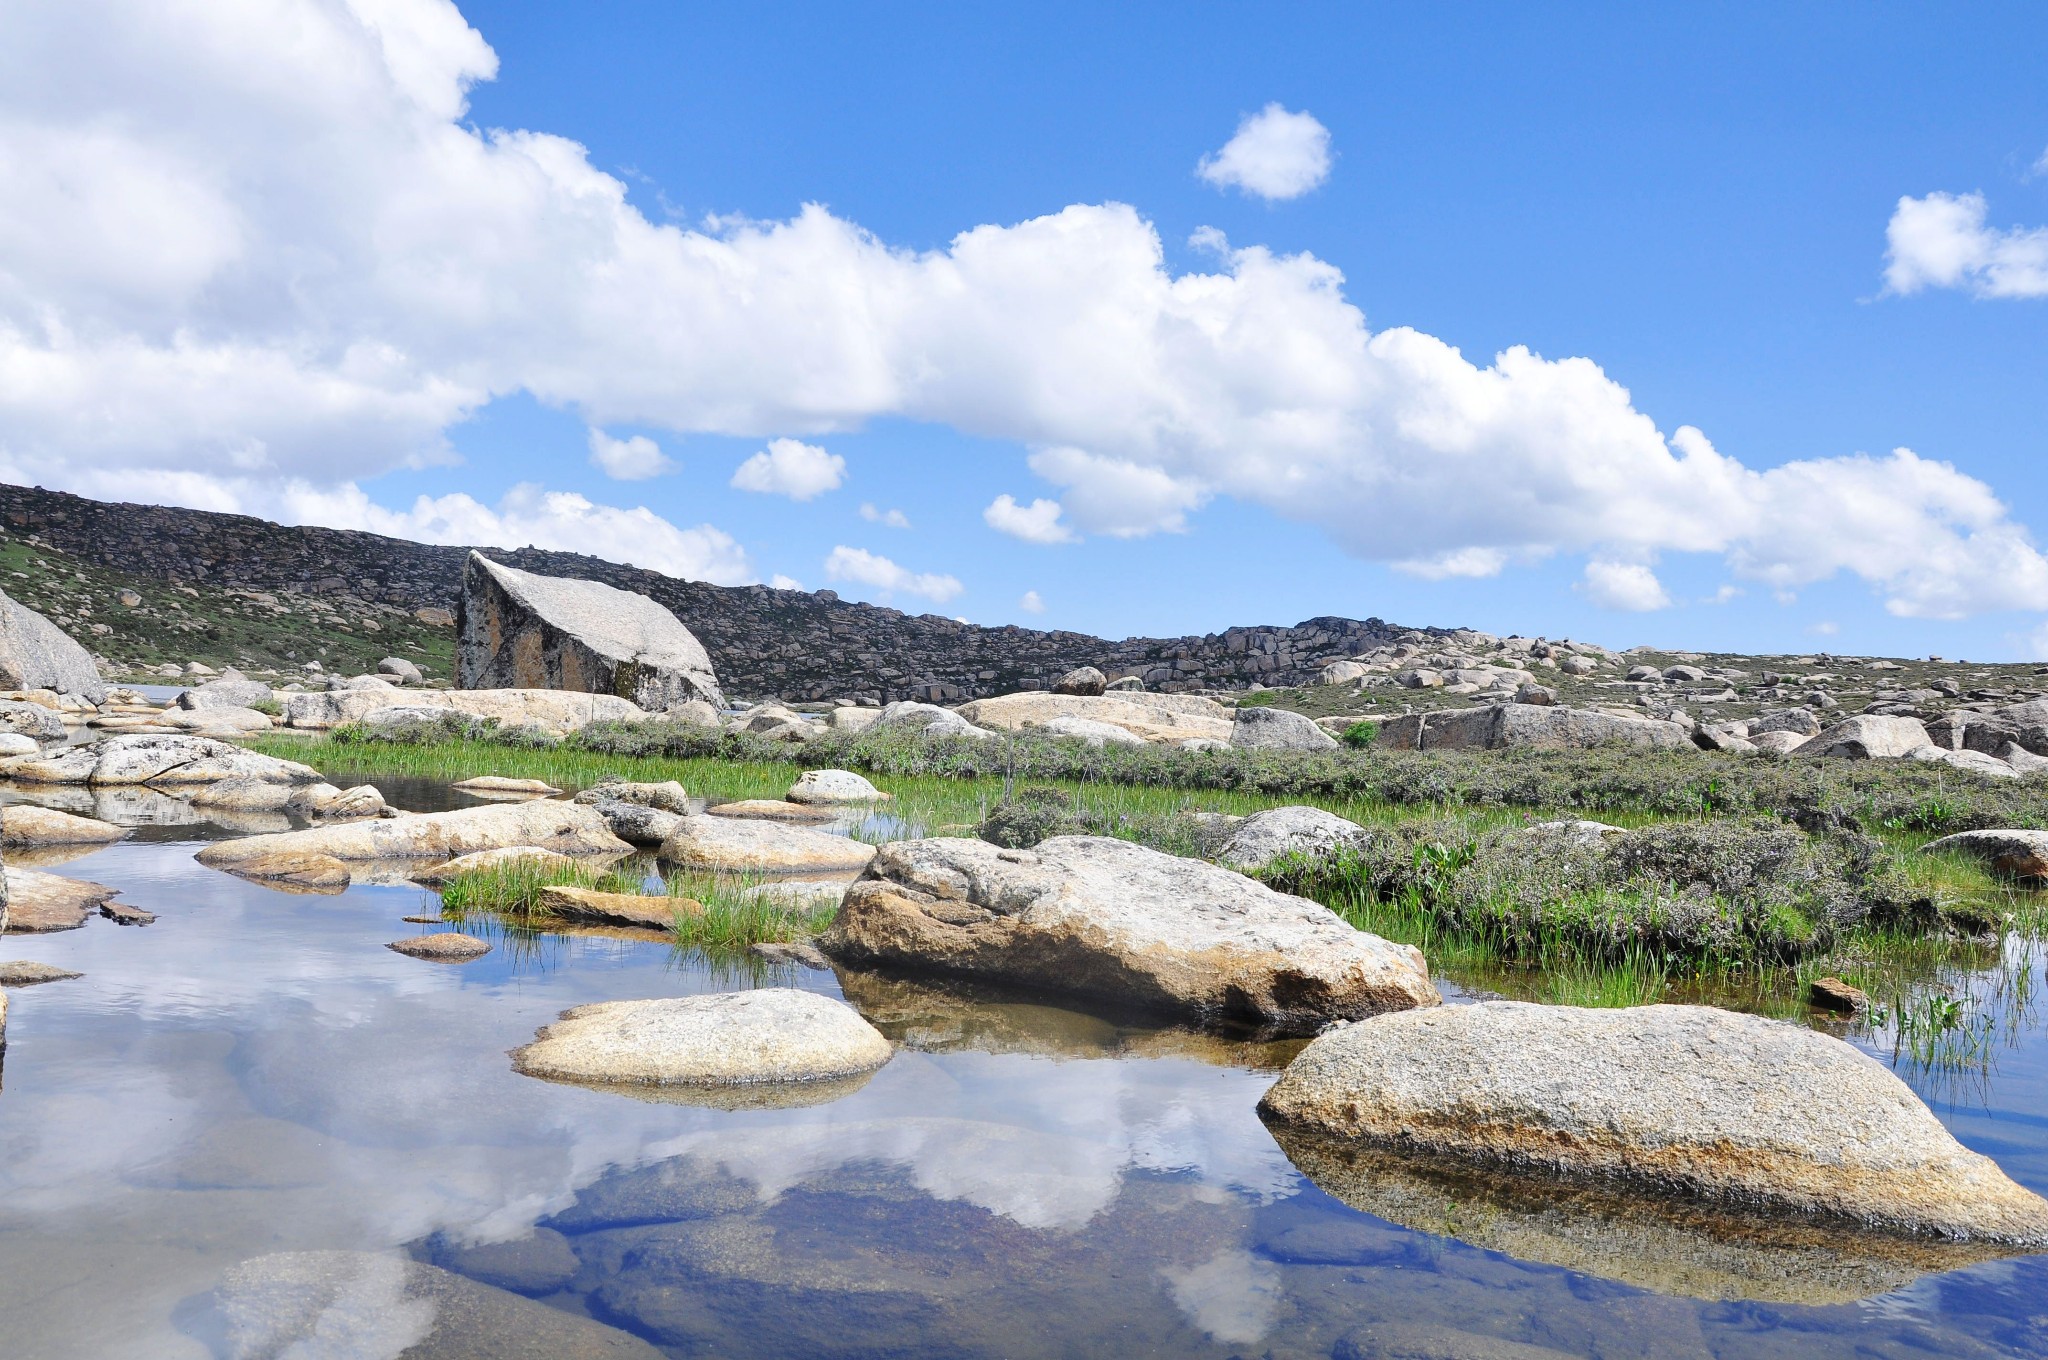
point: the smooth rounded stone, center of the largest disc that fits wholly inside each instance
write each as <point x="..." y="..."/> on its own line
<point x="360" y="1304"/>
<point x="542" y="823"/>
<point x="363" y="800"/>
<point x="1342" y="672"/>
<point x="1777" y="742"/>
<point x="794" y="730"/>
<point x="158" y="760"/>
<point x="1081" y="680"/>
<point x="548" y="632"/>
<point x="1799" y="721"/>
<point x="37" y="654"/>
<point x="774" y="810"/>
<point x="749" y="843"/>
<point x="1976" y="762"/>
<point x="380" y="684"/>
<point x="2020" y="854"/>
<point x="1162" y="718"/>
<point x="766" y="717"/>
<point x="401" y="670"/>
<point x="1713" y="737"/>
<point x="539" y="1263"/>
<point x="1729" y="1108"/>
<point x="224" y="693"/>
<point x="1869" y="736"/>
<point x="554" y="710"/>
<point x="1575" y="831"/>
<point x="1096" y="734"/>
<point x="1533" y="693"/>
<point x="694" y="713"/>
<point x="834" y="786"/>
<point x="773" y="1034"/>
<point x="2021" y="759"/>
<point x="1263" y="837"/>
<point x="926" y="719"/>
<point x="33" y="721"/>
<point x="636" y="823"/>
<point x="501" y="858"/>
<point x="491" y="783"/>
<point x="15" y="744"/>
<point x="1263" y="728"/>
<point x="1121" y="924"/>
<point x="301" y="870"/>
<point x="38" y="903"/>
<point x="852" y="718"/>
<point x="31" y="973"/>
<point x="667" y="796"/>
<point x="1126" y="684"/>
<point x="619" y="909"/>
<point x="24" y="825"/>
<point x="445" y="946"/>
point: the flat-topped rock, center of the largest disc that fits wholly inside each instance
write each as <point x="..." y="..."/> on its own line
<point x="545" y="824"/>
<point x="494" y="783"/>
<point x="519" y="629"/>
<point x="24" y="825"/>
<point x="1121" y="924"/>
<point x="1869" y="736"/>
<point x="834" y="786"/>
<point x="772" y="1034"/>
<point x="1155" y="717"/>
<point x="447" y="946"/>
<point x="1726" y="1107"/>
<point x="1544" y="726"/>
<point x="556" y="710"/>
<point x="31" y="973"/>
<point x="774" y="810"/>
<point x="748" y="843"/>
<point x="647" y="911"/>
<point x="38" y="903"/>
<point x="1263" y="837"/>
<point x="294" y="871"/>
<point x="666" y="796"/>
<point x="158" y="760"/>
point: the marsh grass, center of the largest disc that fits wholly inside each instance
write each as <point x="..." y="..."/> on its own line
<point x="736" y="915"/>
<point x="514" y="889"/>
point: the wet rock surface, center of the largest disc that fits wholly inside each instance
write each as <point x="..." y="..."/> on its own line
<point x="543" y="824"/>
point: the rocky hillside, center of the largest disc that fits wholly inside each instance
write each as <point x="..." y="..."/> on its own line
<point x="233" y="590"/>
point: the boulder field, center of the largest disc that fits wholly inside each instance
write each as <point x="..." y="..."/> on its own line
<point x="1124" y="925"/>
<point x="1732" y="1109"/>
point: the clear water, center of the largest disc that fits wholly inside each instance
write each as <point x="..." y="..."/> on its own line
<point x="256" y="1074"/>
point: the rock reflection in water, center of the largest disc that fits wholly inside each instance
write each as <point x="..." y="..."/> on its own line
<point x="1669" y="1245"/>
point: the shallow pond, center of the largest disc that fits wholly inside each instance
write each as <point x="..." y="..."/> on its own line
<point x="255" y="1074"/>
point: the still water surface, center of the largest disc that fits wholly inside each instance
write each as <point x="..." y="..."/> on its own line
<point x="256" y="1074"/>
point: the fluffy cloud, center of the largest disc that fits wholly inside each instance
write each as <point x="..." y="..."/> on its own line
<point x="862" y="567"/>
<point x="1275" y="154"/>
<point x="1030" y="603"/>
<point x="252" y="245"/>
<point x="1941" y="241"/>
<point x="1038" y="522"/>
<point x="1624" y="585"/>
<point x="894" y="519"/>
<point x="628" y="460"/>
<point x="788" y="467"/>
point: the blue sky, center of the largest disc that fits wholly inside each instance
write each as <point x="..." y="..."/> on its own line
<point x="1696" y="202"/>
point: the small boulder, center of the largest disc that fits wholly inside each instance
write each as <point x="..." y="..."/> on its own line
<point x="1684" y="674"/>
<point x="1976" y="762"/>
<point x="295" y="869"/>
<point x="1796" y="720"/>
<point x="1096" y="734"/>
<point x="1778" y="743"/>
<point x="1578" y="665"/>
<point x="771" y="1034"/>
<point x="738" y="843"/>
<point x="927" y="719"/>
<point x="1869" y="736"/>
<point x="38" y="903"/>
<point x="1081" y="680"/>
<point x="1263" y="728"/>
<point x="637" y="823"/>
<point x="1833" y="994"/>
<point x="1125" y="684"/>
<point x="1263" y="837"/>
<point x="834" y="786"/>
<point x="15" y="744"/>
<point x="444" y="946"/>
<point x="1532" y="693"/>
<point x="161" y="760"/>
<point x="774" y="809"/>
<point x="401" y="670"/>
<point x="1729" y="1108"/>
<point x="852" y="718"/>
<point x="2020" y="854"/>
<point x="668" y="796"/>
<point x="24" y="826"/>
<point x="224" y="693"/>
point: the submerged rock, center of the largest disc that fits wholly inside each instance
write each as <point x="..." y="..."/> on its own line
<point x="834" y="786"/>
<point x="747" y="843"/>
<point x="301" y="870"/>
<point x="772" y="1034"/>
<point x="1122" y="924"/>
<point x="351" y="1303"/>
<point x="24" y="825"/>
<point x="1263" y="837"/>
<point x="157" y="760"/>
<point x="545" y="824"/>
<point x="492" y="783"/>
<point x="545" y="632"/>
<point x="1734" y="1109"/>
<point x="446" y="946"/>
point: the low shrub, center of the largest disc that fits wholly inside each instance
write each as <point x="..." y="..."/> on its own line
<point x="1360" y="735"/>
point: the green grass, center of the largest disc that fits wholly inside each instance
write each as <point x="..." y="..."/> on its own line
<point x="735" y="918"/>
<point x="515" y="889"/>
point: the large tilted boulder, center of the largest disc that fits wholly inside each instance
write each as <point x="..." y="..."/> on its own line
<point x="560" y="710"/>
<point x="1121" y="924"/>
<point x="160" y="760"/>
<point x="1499" y="726"/>
<point x="1262" y="728"/>
<point x="566" y="828"/>
<point x="1727" y="1108"/>
<point x="1869" y="736"/>
<point x="335" y="1303"/>
<point x="1155" y="717"/>
<point x="907" y="715"/>
<point x="37" y="654"/>
<point x="522" y="631"/>
<point x="771" y="1034"/>
<point x="742" y="844"/>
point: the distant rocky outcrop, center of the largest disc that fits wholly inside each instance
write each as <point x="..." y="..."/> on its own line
<point x="37" y="654"/>
<point x="520" y="630"/>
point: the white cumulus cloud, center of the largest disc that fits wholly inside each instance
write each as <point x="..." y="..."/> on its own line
<point x="255" y="252"/>
<point x="894" y="519"/>
<point x="788" y="467"/>
<point x="1275" y="154"/>
<point x="781" y="582"/>
<point x="1030" y="603"/>
<point x="633" y="459"/>
<point x="1941" y="241"/>
<point x="1038" y="522"/>
<point x="1624" y="585"/>
<point x="862" y="567"/>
